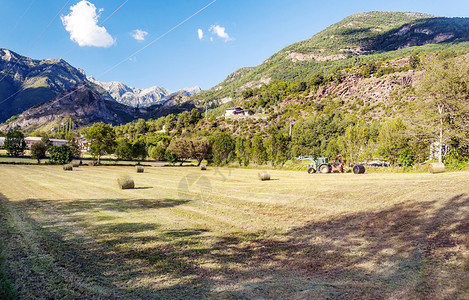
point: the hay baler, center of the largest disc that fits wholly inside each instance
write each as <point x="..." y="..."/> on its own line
<point x="322" y="165"/>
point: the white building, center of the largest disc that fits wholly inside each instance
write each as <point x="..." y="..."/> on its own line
<point x="235" y="111"/>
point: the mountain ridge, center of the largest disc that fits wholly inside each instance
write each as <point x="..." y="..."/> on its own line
<point x="356" y="38"/>
<point x="136" y="97"/>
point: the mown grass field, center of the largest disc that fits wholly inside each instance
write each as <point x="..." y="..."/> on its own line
<point x="223" y="234"/>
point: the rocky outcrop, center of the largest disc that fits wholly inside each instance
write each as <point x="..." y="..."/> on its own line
<point x="82" y="104"/>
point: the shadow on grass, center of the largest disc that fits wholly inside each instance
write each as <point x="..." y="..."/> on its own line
<point x="402" y="251"/>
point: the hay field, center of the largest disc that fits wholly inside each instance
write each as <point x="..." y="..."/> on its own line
<point x="223" y="234"/>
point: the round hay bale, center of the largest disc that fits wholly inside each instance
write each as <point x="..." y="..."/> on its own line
<point x="436" y="168"/>
<point x="359" y="169"/>
<point x="76" y="164"/>
<point x="68" y="167"/>
<point x="140" y="169"/>
<point x="126" y="182"/>
<point x="203" y="167"/>
<point x="91" y="164"/>
<point x="264" y="175"/>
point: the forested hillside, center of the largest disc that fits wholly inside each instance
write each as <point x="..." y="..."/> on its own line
<point x="356" y="39"/>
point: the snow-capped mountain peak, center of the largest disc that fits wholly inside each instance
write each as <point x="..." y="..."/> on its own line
<point x="136" y="97"/>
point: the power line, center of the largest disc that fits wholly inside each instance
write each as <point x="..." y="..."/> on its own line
<point x="158" y="38"/>
<point x="114" y="12"/>
<point x="37" y="39"/>
<point x="22" y="89"/>
<point x="149" y="44"/>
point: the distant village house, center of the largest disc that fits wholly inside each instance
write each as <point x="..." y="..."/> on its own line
<point x="236" y="111"/>
<point x="31" y="140"/>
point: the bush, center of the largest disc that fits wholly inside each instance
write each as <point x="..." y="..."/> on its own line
<point x="60" y="155"/>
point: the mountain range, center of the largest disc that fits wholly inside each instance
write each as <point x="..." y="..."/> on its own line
<point x="136" y="97"/>
<point x="26" y="82"/>
<point x="352" y="42"/>
<point x="83" y="105"/>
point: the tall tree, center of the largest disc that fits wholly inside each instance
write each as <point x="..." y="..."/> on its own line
<point x="38" y="151"/>
<point x="259" y="153"/>
<point x="202" y="149"/>
<point x="353" y="142"/>
<point x="223" y="149"/>
<point x="14" y="143"/>
<point x="443" y="108"/>
<point x="139" y="150"/>
<point x="392" y="139"/>
<point x="124" y="149"/>
<point x="182" y="148"/>
<point x="102" y="139"/>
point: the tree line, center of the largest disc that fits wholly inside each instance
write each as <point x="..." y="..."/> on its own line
<point x="438" y="115"/>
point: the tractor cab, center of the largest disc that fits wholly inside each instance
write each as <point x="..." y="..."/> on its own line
<point x="322" y="164"/>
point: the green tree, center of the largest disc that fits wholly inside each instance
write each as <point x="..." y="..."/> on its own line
<point x="443" y="92"/>
<point x="353" y="142"/>
<point x="414" y="60"/>
<point x="242" y="151"/>
<point x="170" y="122"/>
<point x="181" y="148"/>
<point x="332" y="149"/>
<point x="60" y="154"/>
<point x="183" y="121"/>
<point x="202" y="149"/>
<point x="223" y="149"/>
<point x="38" y="151"/>
<point x="141" y="127"/>
<point x="196" y="115"/>
<point x="259" y="153"/>
<point x="139" y="150"/>
<point x="102" y="139"/>
<point x="392" y="139"/>
<point x="14" y="143"/>
<point x="124" y="149"/>
<point x="158" y="152"/>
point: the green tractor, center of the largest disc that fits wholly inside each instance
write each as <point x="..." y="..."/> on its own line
<point x="322" y="165"/>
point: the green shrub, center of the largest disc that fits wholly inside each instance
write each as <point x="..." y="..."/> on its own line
<point x="60" y="155"/>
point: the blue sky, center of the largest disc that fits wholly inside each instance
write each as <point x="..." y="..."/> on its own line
<point x="236" y="33"/>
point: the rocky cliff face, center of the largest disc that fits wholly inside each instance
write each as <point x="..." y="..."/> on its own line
<point x="27" y="82"/>
<point x="82" y="104"/>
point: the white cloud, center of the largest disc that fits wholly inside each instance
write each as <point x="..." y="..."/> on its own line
<point x="220" y="32"/>
<point x="82" y="24"/>
<point x="139" y="35"/>
<point x="200" y="32"/>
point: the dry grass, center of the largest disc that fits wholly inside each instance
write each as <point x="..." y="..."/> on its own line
<point x="220" y="234"/>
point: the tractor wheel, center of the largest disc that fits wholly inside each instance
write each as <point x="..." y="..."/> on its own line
<point x="324" y="169"/>
<point x="311" y="170"/>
